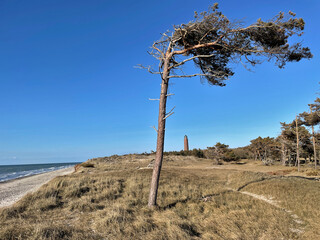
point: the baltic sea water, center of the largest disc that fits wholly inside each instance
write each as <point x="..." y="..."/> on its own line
<point x="9" y="172"/>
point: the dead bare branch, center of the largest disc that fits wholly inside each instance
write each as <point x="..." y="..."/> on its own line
<point x="168" y="116"/>
<point x="171" y="110"/>
<point x="155" y="128"/>
<point x="148" y="68"/>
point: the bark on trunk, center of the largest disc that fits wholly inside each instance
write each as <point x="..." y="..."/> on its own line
<point x="161" y="132"/>
<point x="297" y="133"/>
<point x="283" y="152"/>
<point x="314" y="144"/>
<point x="290" y="159"/>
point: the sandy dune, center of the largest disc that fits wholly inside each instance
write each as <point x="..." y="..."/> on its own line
<point x="13" y="190"/>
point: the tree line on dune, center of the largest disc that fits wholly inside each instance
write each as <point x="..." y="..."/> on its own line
<point x="298" y="143"/>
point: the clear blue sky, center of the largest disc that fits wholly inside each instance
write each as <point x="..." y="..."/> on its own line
<point x="69" y="89"/>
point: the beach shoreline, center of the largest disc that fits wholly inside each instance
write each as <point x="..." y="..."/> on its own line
<point x="13" y="190"/>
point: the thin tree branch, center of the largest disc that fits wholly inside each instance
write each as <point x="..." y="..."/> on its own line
<point x="198" y="46"/>
<point x="171" y="110"/>
<point x="192" y="75"/>
<point x="189" y="59"/>
<point x="155" y="128"/>
<point x="156" y="48"/>
<point x="148" y="68"/>
<point x="168" y="115"/>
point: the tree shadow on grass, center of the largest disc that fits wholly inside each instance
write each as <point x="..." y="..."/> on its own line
<point x="203" y="198"/>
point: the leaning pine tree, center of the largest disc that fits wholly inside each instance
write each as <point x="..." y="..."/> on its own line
<point x="212" y="42"/>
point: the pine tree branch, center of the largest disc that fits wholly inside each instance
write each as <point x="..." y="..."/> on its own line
<point x="148" y="68"/>
<point x="189" y="59"/>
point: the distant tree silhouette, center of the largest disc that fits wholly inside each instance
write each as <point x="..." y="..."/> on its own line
<point x="286" y="139"/>
<point x="221" y="152"/>
<point x="295" y="139"/>
<point x="212" y="42"/>
<point x="312" y="119"/>
<point x="264" y="148"/>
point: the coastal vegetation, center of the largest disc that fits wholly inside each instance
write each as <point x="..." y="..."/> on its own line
<point x="198" y="200"/>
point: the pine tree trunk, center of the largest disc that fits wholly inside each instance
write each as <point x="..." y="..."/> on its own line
<point x="283" y="152"/>
<point x="297" y="133"/>
<point x="314" y="144"/>
<point x="290" y="159"/>
<point x="160" y="132"/>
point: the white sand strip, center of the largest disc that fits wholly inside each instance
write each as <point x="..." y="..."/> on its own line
<point x="14" y="190"/>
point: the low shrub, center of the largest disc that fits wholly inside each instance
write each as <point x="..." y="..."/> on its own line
<point x="87" y="165"/>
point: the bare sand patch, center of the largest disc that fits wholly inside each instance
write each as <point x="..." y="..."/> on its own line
<point x="13" y="190"/>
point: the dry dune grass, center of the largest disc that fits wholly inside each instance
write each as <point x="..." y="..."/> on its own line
<point x="299" y="195"/>
<point x="109" y="202"/>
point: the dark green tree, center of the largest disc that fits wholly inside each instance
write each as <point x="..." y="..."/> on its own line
<point x="242" y="152"/>
<point x="264" y="149"/>
<point x="287" y="139"/>
<point x="213" y="43"/>
<point x="221" y="152"/>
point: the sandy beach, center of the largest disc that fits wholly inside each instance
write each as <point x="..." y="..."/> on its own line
<point x="14" y="190"/>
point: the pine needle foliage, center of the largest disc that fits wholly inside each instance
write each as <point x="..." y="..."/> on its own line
<point x="221" y="42"/>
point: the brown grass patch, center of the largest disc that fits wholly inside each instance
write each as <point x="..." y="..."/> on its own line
<point x="280" y="172"/>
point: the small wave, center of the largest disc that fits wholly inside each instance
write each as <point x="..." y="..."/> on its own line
<point x="14" y="175"/>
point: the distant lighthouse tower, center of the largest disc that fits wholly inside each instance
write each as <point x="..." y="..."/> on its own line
<point x="186" y="144"/>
